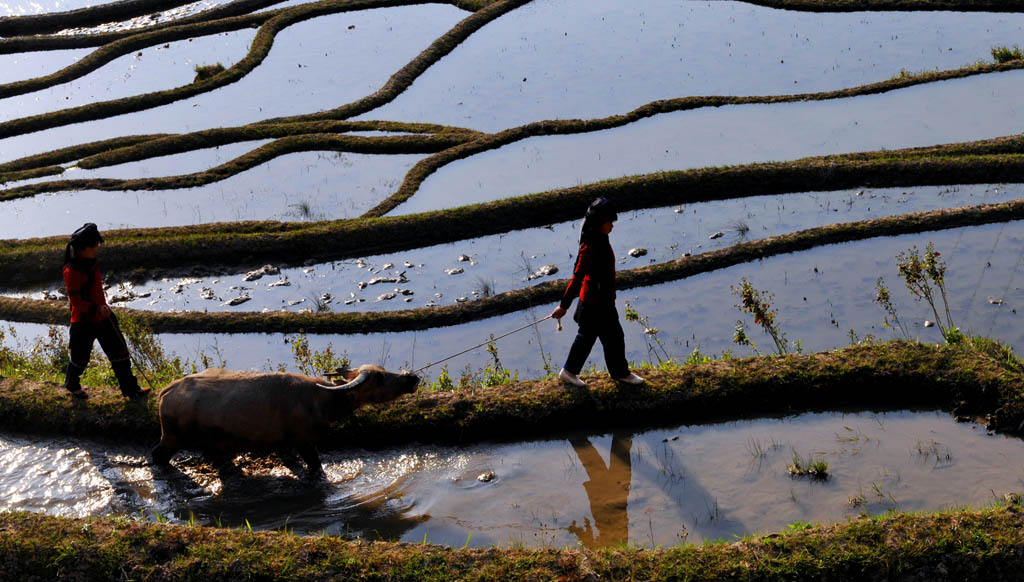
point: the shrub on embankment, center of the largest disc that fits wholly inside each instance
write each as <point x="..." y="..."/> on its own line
<point x="956" y="545"/>
<point x="976" y="380"/>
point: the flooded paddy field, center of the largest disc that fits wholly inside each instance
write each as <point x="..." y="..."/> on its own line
<point x="821" y="295"/>
<point x="309" y="69"/>
<point x="651" y="488"/>
<point x="560" y="59"/>
<point x="937" y="113"/>
<point x="468" y="270"/>
<point x="296" y="187"/>
<point x="156" y="68"/>
<point x="494" y="67"/>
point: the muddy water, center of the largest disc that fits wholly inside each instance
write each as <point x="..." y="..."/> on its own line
<point x="513" y="260"/>
<point x="562" y="59"/>
<point x="951" y="111"/>
<point x="655" y="487"/>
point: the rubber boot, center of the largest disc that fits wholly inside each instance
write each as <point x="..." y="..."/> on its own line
<point x="126" y="380"/>
<point x="72" y="381"/>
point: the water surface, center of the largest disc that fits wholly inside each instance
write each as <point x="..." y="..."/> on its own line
<point x="654" y="487"/>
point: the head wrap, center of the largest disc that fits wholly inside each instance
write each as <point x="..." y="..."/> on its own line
<point x="86" y="236"/>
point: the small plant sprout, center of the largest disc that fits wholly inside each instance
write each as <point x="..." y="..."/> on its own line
<point x="315" y="363"/>
<point x="1004" y="54"/>
<point x="654" y="344"/>
<point x="920" y="273"/>
<point x="758" y="304"/>
<point x="204" y="72"/>
<point x="810" y="467"/>
<point x="892" y="319"/>
<point x="740" y="338"/>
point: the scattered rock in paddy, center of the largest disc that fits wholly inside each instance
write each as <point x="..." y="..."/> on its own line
<point x="637" y="252"/>
<point x="182" y="284"/>
<point x="326" y="297"/>
<point x="237" y="300"/>
<point x="386" y="296"/>
<point x="295" y="302"/>
<point x="486" y="477"/>
<point x="542" y="272"/>
<point x="718" y="234"/>
<point x="464" y="258"/>
<point x="400" y="278"/>
<point x="455" y="271"/>
<point x="994" y="300"/>
<point x="929" y="323"/>
<point x="259" y="273"/>
<point x="284" y="282"/>
<point x="207" y="293"/>
<point x="461" y="299"/>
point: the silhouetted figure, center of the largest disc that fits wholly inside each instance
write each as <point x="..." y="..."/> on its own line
<point x="593" y="280"/>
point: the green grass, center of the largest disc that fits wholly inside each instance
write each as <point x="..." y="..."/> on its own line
<point x="946" y="545"/>
<point x="1003" y="54"/>
<point x="493" y="403"/>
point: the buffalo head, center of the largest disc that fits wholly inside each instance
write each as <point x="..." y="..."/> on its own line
<point x="369" y="384"/>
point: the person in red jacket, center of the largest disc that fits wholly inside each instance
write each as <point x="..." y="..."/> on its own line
<point x="593" y="281"/>
<point x="91" y="318"/>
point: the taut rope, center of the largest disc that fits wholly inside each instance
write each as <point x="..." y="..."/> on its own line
<point x="487" y="342"/>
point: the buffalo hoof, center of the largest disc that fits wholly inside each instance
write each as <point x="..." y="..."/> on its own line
<point x="161" y="455"/>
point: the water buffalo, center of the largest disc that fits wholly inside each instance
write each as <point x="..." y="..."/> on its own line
<point x="232" y="412"/>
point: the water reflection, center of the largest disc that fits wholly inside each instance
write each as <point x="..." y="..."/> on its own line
<point x="607" y="490"/>
<point x="651" y="487"/>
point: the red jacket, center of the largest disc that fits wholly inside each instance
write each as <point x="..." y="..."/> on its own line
<point x="84" y="287"/>
<point x="593" y="277"/>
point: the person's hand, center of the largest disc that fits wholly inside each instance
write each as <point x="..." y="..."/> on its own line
<point x="559" y="312"/>
<point x="104" y="311"/>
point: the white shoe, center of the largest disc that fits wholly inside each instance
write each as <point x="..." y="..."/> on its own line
<point x="569" y="378"/>
<point x="632" y="380"/>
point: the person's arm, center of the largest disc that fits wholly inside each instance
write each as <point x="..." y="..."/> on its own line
<point x="572" y="290"/>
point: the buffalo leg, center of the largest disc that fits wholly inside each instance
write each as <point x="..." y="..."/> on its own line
<point x="312" y="458"/>
<point x="161" y="454"/>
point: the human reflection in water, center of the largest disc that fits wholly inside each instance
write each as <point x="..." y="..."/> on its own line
<point x="608" y="492"/>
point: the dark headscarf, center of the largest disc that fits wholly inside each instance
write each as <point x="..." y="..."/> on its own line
<point x="600" y="211"/>
<point x="86" y="236"/>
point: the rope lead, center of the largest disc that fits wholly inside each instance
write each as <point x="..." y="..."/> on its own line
<point x="494" y="339"/>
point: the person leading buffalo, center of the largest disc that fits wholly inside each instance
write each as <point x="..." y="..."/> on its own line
<point x="593" y="281"/>
<point x="91" y="317"/>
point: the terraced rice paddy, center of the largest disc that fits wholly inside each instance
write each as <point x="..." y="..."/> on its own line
<point x="415" y="173"/>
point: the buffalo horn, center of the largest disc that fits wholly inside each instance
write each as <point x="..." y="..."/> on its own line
<point x="349" y="385"/>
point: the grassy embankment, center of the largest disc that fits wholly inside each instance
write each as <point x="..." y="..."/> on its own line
<point x="976" y="378"/>
<point x="950" y="545"/>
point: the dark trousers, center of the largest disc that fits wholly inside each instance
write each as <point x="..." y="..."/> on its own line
<point x="598" y="322"/>
<point x="83" y="335"/>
